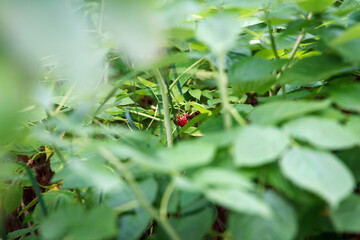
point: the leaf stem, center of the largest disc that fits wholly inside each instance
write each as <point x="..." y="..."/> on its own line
<point x="165" y="200"/>
<point x="165" y="101"/>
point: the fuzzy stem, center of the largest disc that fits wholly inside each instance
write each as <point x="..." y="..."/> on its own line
<point x="222" y="81"/>
<point x="165" y="100"/>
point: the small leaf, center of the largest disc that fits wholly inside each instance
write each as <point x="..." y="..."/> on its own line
<point x="12" y="197"/>
<point x="196" y="93"/>
<point x="257" y="145"/>
<point x="319" y="172"/>
<point x="321" y="132"/>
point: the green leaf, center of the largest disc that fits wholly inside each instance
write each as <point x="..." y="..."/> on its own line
<point x="346" y="216"/>
<point x="276" y="112"/>
<point x="239" y="201"/>
<point x="321" y="132"/>
<point x="76" y="175"/>
<point x="133" y="225"/>
<point x="281" y="226"/>
<point x="196" y="93"/>
<point x="315" y="5"/>
<point x="200" y="108"/>
<point x="254" y="74"/>
<point x="21" y="232"/>
<point x="256" y="145"/>
<point x="313" y="69"/>
<point x="346" y="96"/>
<point x="219" y="32"/>
<point x="220" y="178"/>
<point x="347" y="44"/>
<point x="75" y="222"/>
<point x="186" y="155"/>
<point x="191" y="227"/>
<point x="12" y="197"/>
<point x="319" y="172"/>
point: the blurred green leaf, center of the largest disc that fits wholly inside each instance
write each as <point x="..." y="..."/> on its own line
<point x="276" y="112"/>
<point x="219" y="32"/>
<point x="256" y="145"/>
<point x="12" y="197"/>
<point x="75" y="222"/>
<point x="321" y="132"/>
<point x="319" y="172"/>
<point x="314" y="68"/>
<point x="314" y="5"/>
<point x="282" y="225"/>
<point x="346" y="96"/>
<point x="346" y="215"/>
<point x="196" y="93"/>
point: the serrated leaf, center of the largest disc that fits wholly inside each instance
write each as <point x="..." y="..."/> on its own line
<point x="256" y="145"/>
<point x="319" y="172"/>
<point x="321" y="132"/>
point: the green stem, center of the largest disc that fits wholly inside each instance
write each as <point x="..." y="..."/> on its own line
<point x="223" y="87"/>
<point x="165" y="200"/>
<point x="165" y="100"/>
<point x="138" y="193"/>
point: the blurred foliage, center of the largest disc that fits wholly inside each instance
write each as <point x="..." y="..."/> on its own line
<point x="267" y="92"/>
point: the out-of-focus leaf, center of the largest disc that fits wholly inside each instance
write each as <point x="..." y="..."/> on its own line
<point x="282" y="225"/>
<point x="346" y="215"/>
<point x="314" y="68"/>
<point x="12" y="197"/>
<point x="76" y="175"/>
<point x="276" y="112"/>
<point x="321" y="132"/>
<point x="319" y="172"/>
<point x="257" y="145"/>
<point x="219" y="32"/>
<point x="75" y="222"/>
<point x="254" y="74"/>
<point x="347" y="96"/>
<point x="239" y="201"/>
<point x="196" y="93"/>
<point x="314" y="5"/>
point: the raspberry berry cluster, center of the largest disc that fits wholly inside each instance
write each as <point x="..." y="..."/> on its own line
<point x="182" y="119"/>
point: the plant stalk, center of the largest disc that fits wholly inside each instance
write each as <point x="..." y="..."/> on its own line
<point x="165" y="100"/>
<point x="223" y="87"/>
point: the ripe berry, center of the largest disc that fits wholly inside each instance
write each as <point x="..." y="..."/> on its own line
<point x="182" y="119"/>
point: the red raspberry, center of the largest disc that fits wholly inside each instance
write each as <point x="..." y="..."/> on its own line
<point x="182" y="119"/>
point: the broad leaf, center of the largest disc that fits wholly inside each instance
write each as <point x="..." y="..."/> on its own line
<point x="321" y="132"/>
<point x="239" y="201"/>
<point x="254" y="74"/>
<point x="319" y="172"/>
<point x="346" y="216"/>
<point x="347" y="96"/>
<point x="315" y="5"/>
<point x="196" y="93"/>
<point x="256" y="145"/>
<point x="276" y="112"/>
<point x="313" y="69"/>
<point x="219" y="32"/>
<point x="281" y="226"/>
